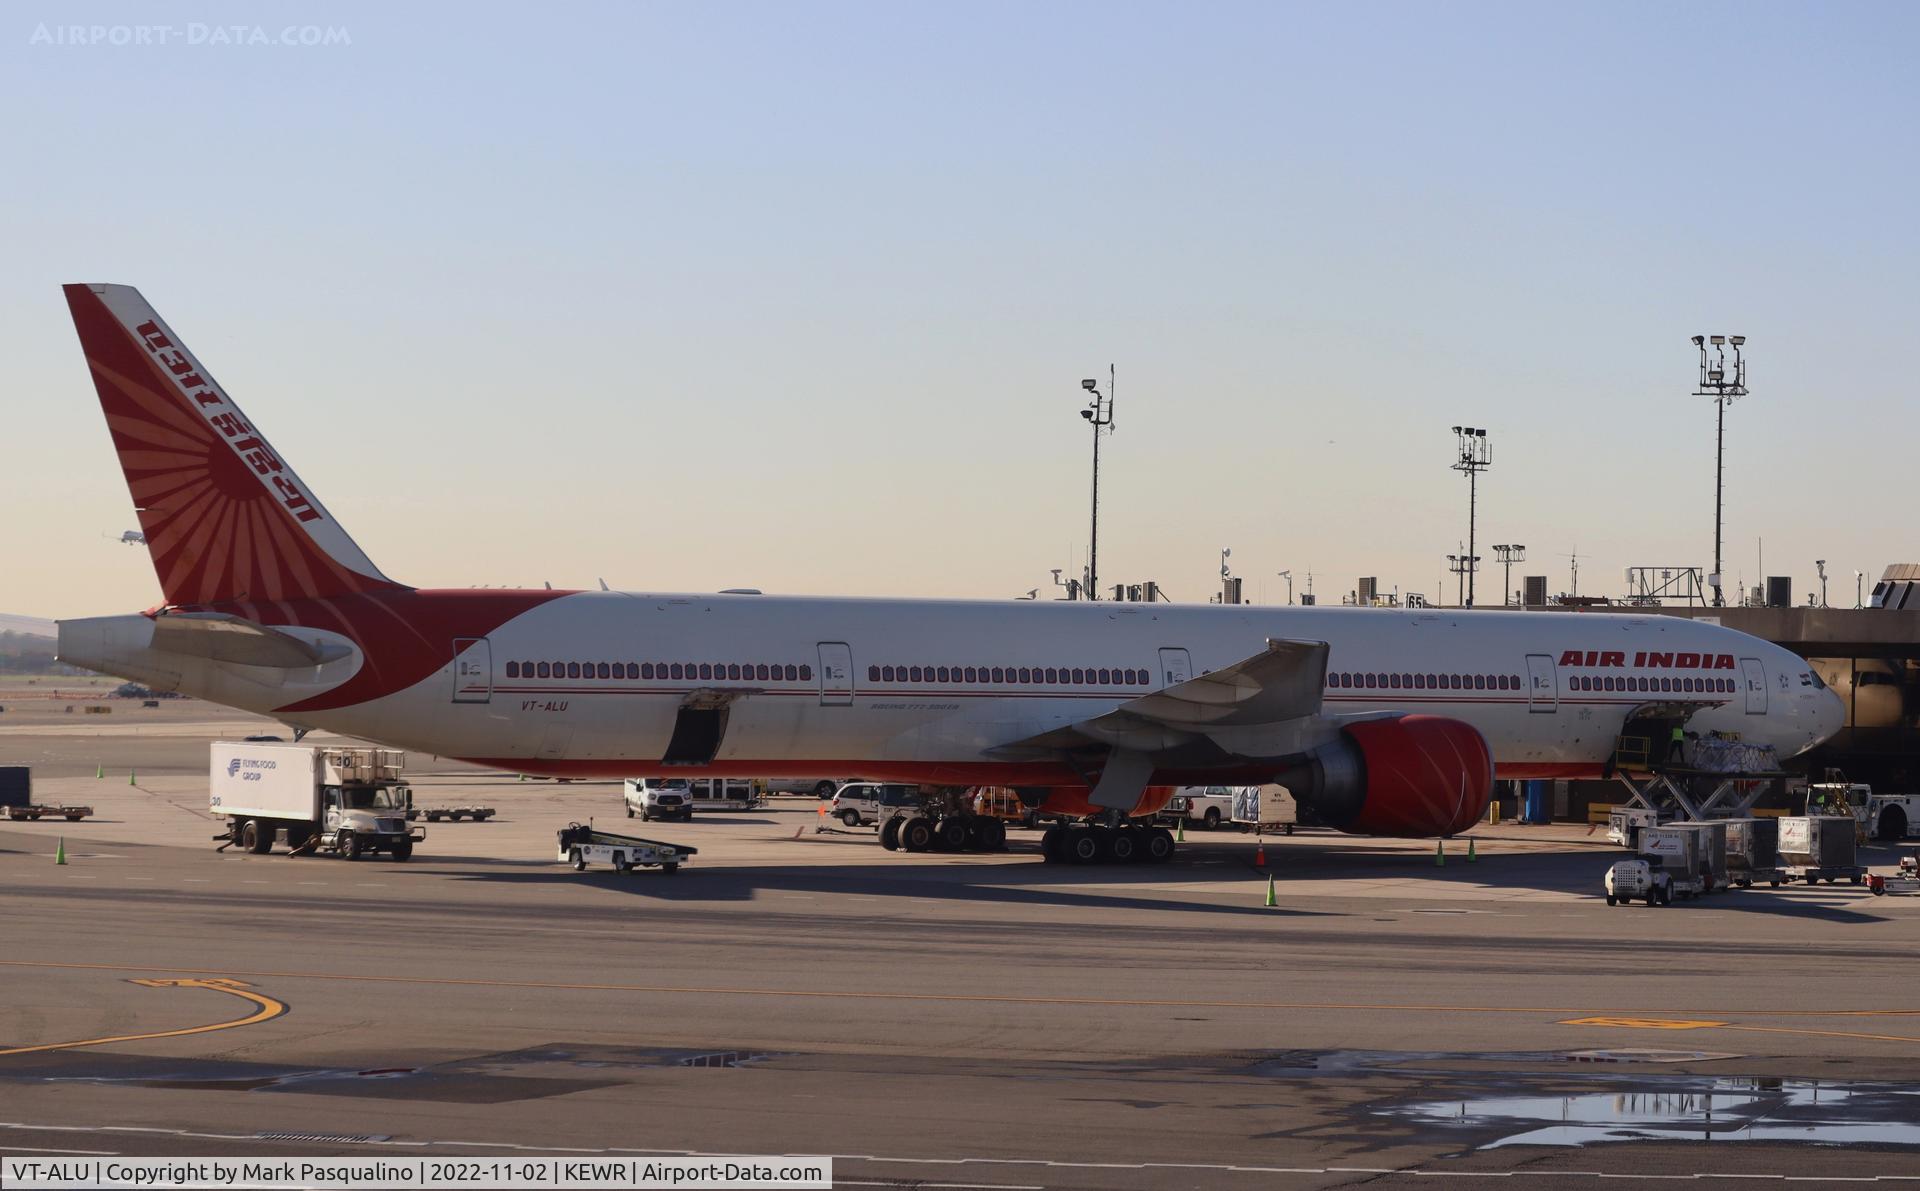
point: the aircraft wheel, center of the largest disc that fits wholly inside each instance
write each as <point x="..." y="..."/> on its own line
<point x="1121" y="846"/>
<point x="1082" y="845"/>
<point x="952" y="834"/>
<point x="890" y="834"/>
<point x="993" y="836"/>
<point x="1052" y="842"/>
<point x="1157" y="847"/>
<point x="916" y="834"/>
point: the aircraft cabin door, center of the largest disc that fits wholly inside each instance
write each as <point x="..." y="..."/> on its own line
<point x="836" y="674"/>
<point x="472" y="670"/>
<point x="1543" y="687"/>
<point x="1756" y="679"/>
<point x="1176" y="667"/>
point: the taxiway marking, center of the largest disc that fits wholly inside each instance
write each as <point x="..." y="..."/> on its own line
<point x="267" y="1010"/>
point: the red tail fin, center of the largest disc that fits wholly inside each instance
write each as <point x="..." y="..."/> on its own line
<point x="226" y="519"/>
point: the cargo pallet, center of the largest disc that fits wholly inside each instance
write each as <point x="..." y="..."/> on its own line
<point x="69" y="813"/>
<point x="583" y="845"/>
<point x="1831" y="874"/>
<point x="433" y="814"/>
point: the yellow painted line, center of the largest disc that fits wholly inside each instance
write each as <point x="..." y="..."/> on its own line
<point x="822" y="994"/>
<point x="1623" y="1020"/>
<point x="267" y="1010"/>
<point x="1642" y="1023"/>
<point x="1655" y="1023"/>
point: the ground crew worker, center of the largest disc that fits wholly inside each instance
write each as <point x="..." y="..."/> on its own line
<point x="1676" y="746"/>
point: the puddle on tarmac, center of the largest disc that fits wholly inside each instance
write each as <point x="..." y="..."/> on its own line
<point x="1685" y="1109"/>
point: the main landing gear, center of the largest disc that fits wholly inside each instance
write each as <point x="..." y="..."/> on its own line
<point x="1099" y="843"/>
<point x="947" y="833"/>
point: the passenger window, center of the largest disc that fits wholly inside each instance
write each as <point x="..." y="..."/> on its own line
<point x="915" y="672"/>
<point x="806" y="673"/>
<point x="1053" y="676"/>
<point x="513" y="669"/>
<point x="792" y="672"/>
<point x="646" y="669"/>
<point x="1026" y="674"/>
<point x="941" y="673"/>
<point x="999" y="674"/>
<point x="546" y="670"/>
<point x="873" y="674"/>
<point x="973" y="674"/>
<point x="1393" y="680"/>
<point x="1372" y="680"/>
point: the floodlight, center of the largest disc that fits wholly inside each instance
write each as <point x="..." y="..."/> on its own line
<point x="1089" y="384"/>
<point x="1736" y="340"/>
<point x="1717" y="340"/>
<point x="1699" y="341"/>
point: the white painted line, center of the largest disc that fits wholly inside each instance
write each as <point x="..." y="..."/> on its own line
<point x="197" y="880"/>
<point x="47" y="1150"/>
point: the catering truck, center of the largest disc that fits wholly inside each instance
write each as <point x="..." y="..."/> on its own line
<point x="347" y="801"/>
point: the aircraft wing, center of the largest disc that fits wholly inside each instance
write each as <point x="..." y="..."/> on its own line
<point x="1281" y="683"/>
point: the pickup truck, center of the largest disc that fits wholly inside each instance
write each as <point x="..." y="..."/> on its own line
<point x="1205" y="806"/>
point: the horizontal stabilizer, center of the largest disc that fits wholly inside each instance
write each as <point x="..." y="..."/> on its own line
<point x="224" y="638"/>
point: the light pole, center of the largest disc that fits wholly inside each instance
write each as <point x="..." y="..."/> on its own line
<point x="1288" y="576"/>
<point x="1474" y="457"/>
<point x="1508" y="556"/>
<point x="1099" y="415"/>
<point x="1462" y="565"/>
<point x="1725" y="389"/>
<point x="1820" y="564"/>
<point x="1859" y="579"/>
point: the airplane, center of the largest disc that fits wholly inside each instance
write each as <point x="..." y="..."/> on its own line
<point x="1379" y="722"/>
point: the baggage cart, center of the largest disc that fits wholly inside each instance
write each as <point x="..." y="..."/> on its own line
<point x="1821" y="848"/>
<point x="582" y="844"/>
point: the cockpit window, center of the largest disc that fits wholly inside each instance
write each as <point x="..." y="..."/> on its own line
<point x="1818" y="682"/>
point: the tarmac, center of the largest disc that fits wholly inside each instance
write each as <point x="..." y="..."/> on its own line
<point x="932" y="1020"/>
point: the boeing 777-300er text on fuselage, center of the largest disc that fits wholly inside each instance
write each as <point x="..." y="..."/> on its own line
<point x="1387" y="723"/>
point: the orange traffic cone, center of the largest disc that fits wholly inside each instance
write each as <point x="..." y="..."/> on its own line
<point x="1260" y="855"/>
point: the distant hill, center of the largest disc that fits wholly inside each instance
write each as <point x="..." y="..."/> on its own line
<point x="31" y="626"/>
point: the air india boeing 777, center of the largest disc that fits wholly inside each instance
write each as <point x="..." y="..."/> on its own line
<point x="1379" y="722"/>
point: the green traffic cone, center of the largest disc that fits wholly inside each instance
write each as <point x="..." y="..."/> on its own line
<point x="1270" y="897"/>
<point x="60" y="851"/>
<point x="99" y="771"/>
<point x="1439" y="853"/>
<point x="1471" y="854"/>
<point x="1180" y="832"/>
<point x="130" y="780"/>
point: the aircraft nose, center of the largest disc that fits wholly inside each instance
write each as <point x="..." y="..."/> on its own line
<point x="1832" y="715"/>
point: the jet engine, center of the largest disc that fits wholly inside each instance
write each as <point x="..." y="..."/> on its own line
<point x="1415" y="775"/>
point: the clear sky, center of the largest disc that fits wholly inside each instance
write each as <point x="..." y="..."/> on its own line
<point x="799" y="296"/>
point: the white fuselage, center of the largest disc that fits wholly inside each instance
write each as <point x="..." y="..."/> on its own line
<point x="927" y="690"/>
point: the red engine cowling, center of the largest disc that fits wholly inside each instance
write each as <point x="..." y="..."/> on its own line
<point x="1417" y="775"/>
